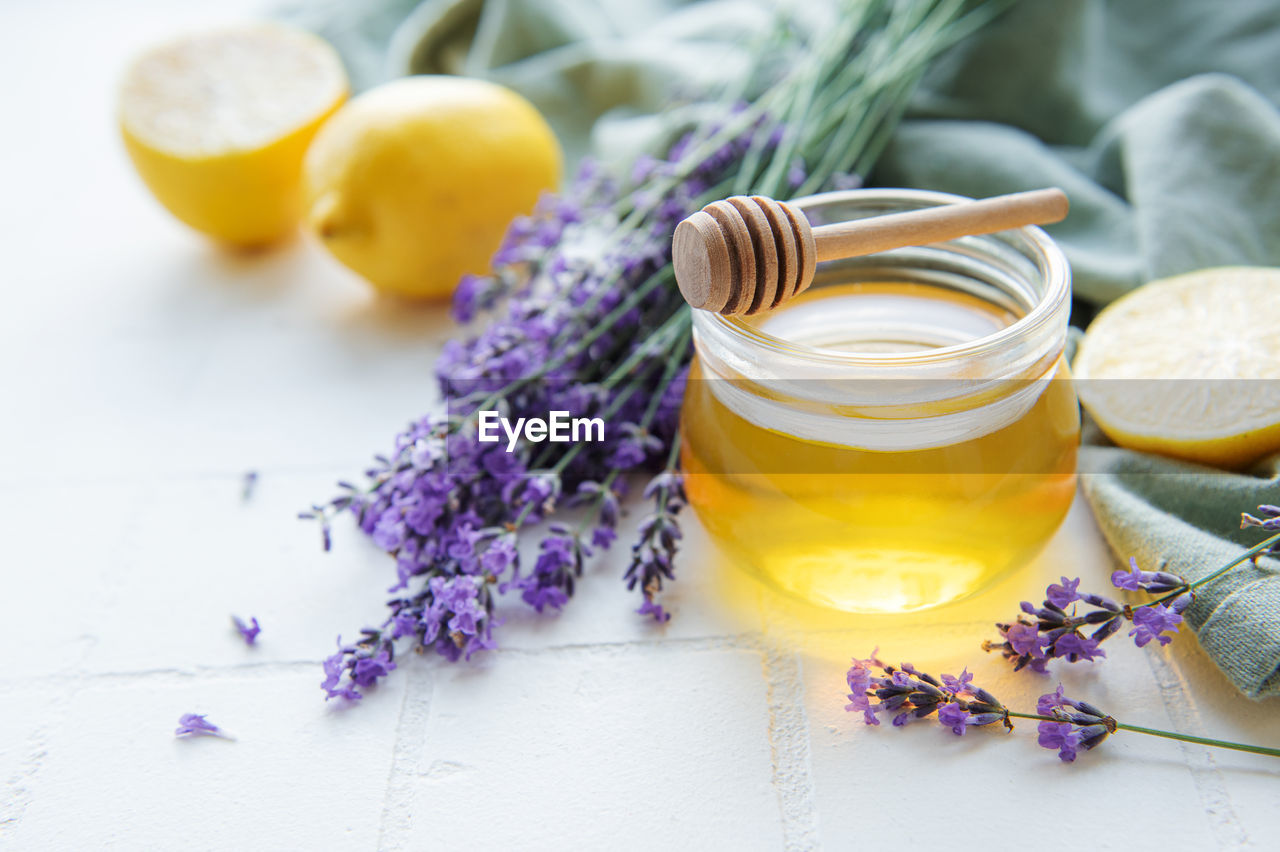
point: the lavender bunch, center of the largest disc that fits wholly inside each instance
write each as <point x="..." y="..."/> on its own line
<point x="1072" y="625"/>
<point x="582" y="315"/>
<point x="1065" y="725"/>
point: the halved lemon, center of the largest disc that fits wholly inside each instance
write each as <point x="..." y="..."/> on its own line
<point x="1189" y="366"/>
<point x="217" y="125"/>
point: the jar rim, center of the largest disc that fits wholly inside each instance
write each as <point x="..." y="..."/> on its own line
<point x="1045" y="253"/>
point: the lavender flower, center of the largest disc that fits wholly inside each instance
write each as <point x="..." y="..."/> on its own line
<point x="1076" y="725"/>
<point x="860" y="679"/>
<point x="1051" y="631"/>
<point x="334" y="667"/>
<point x="910" y="694"/>
<point x="1269" y="518"/>
<point x="1065" y="725"/>
<point x="1064" y="595"/>
<point x="195" y="725"/>
<point x="1155" y="582"/>
<point x="249" y="632"/>
<point x="1060" y="736"/>
<point x="956" y="717"/>
<point x="1150" y="622"/>
<point x="652" y="557"/>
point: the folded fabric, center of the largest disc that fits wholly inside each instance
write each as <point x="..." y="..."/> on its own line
<point x="604" y="72"/>
<point x="1157" y="116"/>
<point x="1179" y="517"/>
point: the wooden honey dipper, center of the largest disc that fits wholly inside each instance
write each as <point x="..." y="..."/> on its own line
<point x="748" y="254"/>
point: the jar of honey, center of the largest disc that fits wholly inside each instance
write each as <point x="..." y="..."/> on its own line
<point x="900" y="435"/>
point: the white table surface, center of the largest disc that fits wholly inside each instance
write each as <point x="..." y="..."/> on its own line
<point x="145" y="372"/>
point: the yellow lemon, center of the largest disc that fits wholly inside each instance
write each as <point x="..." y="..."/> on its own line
<point x="413" y="183"/>
<point x="1189" y="366"/>
<point x="217" y="125"/>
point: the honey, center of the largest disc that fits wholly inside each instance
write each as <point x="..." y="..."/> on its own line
<point x="882" y="445"/>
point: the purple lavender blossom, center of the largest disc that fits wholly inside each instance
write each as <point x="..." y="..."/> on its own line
<point x="1078" y="725"/>
<point x="249" y="632"/>
<point x="1065" y="725"/>
<point x="1075" y="647"/>
<point x="365" y="671"/>
<point x="248" y="485"/>
<point x="910" y="695"/>
<point x="1151" y="622"/>
<point x="499" y="556"/>
<point x="1071" y="726"/>
<point x="334" y="667"/>
<point x="655" y="610"/>
<point x="1072" y="625"/>
<point x="796" y="174"/>
<point x="1268" y="518"/>
<point x="1060" y="736"/>
<point x="959" y="685"/>
<point x="1130" y="580"/>
<point x="955" y="717"/>
<point x="859" y="679"/>
<point x="1155" y="582"/>
<point x="1023" y="645"/>
<point x="652" y="557"/>
<point x="1026" y="640"/>
<point x="1062" y="596"/>
<point x="196" y="725"/>
<point x="358" y="666"/>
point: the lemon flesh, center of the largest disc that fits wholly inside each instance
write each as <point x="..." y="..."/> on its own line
<point x="1189" y="366"/>
<point x="217" y="125"/>
<point x="413" y="183"/>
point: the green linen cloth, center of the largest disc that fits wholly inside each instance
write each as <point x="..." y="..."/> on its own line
<point x="1157" y="117"/>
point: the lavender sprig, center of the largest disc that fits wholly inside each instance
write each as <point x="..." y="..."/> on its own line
<point x="1066" y="725"/>
<point x="653" y="556"/>
<point x="1072" y="625"/>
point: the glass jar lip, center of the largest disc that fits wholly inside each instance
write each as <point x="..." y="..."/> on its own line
<point x="1047" y="255"/>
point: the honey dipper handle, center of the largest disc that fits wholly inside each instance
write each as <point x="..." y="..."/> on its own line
<point x="937" y="224"/>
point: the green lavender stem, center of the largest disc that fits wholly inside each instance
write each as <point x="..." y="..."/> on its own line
<point x="1168" y="735"/>
<point x="1248" y="554"/>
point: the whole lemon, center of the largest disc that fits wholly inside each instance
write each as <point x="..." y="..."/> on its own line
<point x="217" y="125"/>
<point x="413" y="183"/>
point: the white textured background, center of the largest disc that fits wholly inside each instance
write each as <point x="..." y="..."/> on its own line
<point x="144" y="373"/>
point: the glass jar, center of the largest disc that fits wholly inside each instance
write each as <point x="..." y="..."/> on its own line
<point x="902" y="434"/>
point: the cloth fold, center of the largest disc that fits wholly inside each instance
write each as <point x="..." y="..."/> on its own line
<point x="1183" y="518"/>
<point x="1158" y="117"/>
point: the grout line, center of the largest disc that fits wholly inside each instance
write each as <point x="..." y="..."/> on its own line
<point x="268" y="667"/>
<point x="394" y="829"/>
<point x="1179" y="702"/>
<point x="15" y="481"/>
<point x="789" y="745"/>
<point x="17" y="787"/>
<point x="264" y="668"/>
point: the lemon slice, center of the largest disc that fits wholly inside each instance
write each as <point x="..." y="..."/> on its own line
<point x="217" y="125"/>
<point x="1189" y="366"/>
